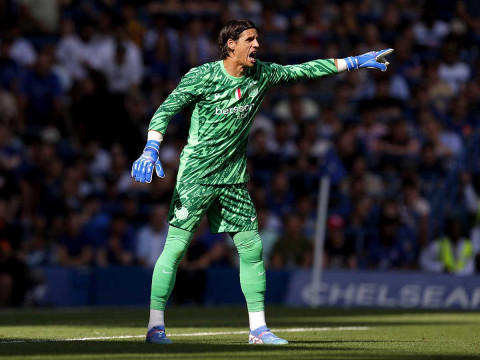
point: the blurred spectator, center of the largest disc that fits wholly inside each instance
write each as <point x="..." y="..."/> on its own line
<point x="119" y="172"/>
<point x="452" y="253"/>
<point x="305" y="209"/>
<point x="73" y="248"/>
<point x="120" y="60"/>
<point x="453" y="71"/>
<point x="118" y="246"/>
<point x="460" y="119"/>
<point x="283" y="144"/>
<point x="370" y="129"/>
<point x="71" y="51"/>
<point x="21" y="50"/>
<point x="297" y="108"/>
<point x="393" y="245"/>
<point x="429" y="31"/>
<point x="397" y="147"/>
<point x="407" y="63"/>
<point x="150" y="238"/>
<point x="42" y="95"/>
<point x="261" y="157"/>
<point x="135" y="28"/>
<point x="280" y="198"/>
<point x="292" y="248"/>
<point x="161" y="37"/>
<point x="339" y="251"/>
<point x="373" y="183"/>
<point x="197" y="48"/>
<point x="431" y="170"/>
<point x="438" y="91"/>
<point x="246" y="9"/>
<point x="447" y="143"/>
<point x="415" y="210"/>
<point x="11" y="72"/>
<point x="347" y="146"/>
<point x="361" y="222"/>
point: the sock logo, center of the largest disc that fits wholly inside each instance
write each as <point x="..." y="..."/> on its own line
<point x="181" y="213"/>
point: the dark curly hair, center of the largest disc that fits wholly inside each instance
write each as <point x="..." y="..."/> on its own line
<point x="232" y="30"/>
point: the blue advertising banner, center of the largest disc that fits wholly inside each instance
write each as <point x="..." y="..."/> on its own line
<point x="131" y="286"/>
<point x="377" y="289"/>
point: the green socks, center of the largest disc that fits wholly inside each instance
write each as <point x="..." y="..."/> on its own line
<point x="252" y="269"/>
<point x="164" y="274"/>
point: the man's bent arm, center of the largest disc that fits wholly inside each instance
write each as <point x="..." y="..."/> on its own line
<point x="186" y="92"/>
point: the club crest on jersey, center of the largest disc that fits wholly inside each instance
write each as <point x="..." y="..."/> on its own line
<point x="181" y="213"/>
<point x="238" y="93"/>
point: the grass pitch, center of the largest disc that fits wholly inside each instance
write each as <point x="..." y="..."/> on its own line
<point x="338" y="334"/>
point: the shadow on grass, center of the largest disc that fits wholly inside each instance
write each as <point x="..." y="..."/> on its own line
<point x="179" y="317"/>
<point x="186" y="350"/>
<point x="49" y="347"/>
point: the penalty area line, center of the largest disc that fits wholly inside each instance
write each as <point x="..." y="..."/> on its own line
<point x="210" y="333"/>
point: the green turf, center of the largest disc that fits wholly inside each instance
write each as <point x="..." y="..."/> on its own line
<point x="392" y="335"/>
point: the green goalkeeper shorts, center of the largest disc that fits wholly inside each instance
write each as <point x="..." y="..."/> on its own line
<point x="229" y="208"/>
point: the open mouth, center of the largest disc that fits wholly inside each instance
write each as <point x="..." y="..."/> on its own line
<point x="252" y="56"/>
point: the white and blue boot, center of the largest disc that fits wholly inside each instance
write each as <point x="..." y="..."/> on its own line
<point x="263" y="335"/>
<point x="157" y="335"/>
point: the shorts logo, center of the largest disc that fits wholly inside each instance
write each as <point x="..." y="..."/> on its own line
<point x="181" y="213"/>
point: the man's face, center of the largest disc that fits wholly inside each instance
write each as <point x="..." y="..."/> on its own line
<point x="245" y="48"/>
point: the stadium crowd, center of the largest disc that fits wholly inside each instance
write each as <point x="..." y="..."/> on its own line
<point x="80" y="80"/>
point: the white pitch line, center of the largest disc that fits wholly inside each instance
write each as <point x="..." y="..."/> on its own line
<point x="214" y="333"/>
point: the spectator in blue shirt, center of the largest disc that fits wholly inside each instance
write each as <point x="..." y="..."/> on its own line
<point x="393" y="245"/>
<point x="42" y="94"/>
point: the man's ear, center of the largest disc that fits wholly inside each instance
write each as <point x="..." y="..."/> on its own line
<point x="231" y="44"/>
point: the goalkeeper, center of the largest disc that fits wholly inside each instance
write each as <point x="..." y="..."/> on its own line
<point x="212" y="175"/>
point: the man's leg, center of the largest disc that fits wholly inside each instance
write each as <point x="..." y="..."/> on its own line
<point x="163" y="280"/>
<point x="253" y="284"/>
<point x="234" y="212"/>
<point x="164" y="274"/>
<point x="252" y="275"/>
<point x="189" y="203"/>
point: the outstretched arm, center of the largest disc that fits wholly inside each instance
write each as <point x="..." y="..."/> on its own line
<point x="318" y="68"/>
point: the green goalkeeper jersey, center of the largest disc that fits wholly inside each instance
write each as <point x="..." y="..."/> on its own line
<point x="225" y="106"/>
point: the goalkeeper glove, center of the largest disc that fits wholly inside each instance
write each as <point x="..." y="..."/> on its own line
<point x="372" y="60"/>
<point x="142" y="169"/>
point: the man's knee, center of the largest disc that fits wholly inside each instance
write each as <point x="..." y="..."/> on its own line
<point x="177" y="243"/>
<point x="249" y="245"/>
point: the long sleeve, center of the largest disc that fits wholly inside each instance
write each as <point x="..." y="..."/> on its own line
<point x="186" y="93"/>
<point x="308" y="70"/>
